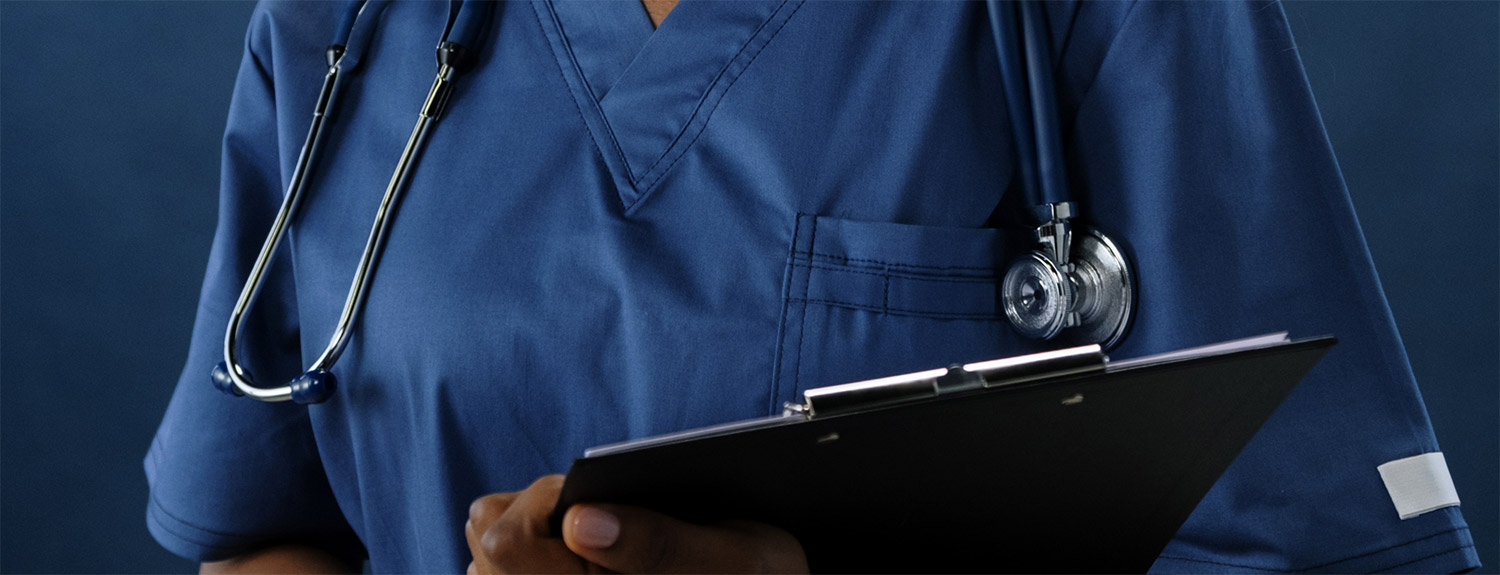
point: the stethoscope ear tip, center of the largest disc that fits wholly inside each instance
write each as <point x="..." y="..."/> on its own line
<point x="315" y="386"/>
<point x="223" y="382"/>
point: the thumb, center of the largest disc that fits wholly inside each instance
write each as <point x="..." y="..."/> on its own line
<point x="634" y="540"/>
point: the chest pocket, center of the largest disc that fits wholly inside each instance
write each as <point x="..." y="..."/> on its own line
<point x="864" y="300"/>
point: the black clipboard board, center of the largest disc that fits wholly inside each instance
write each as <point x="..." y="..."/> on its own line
<point x="1060" y="462"/>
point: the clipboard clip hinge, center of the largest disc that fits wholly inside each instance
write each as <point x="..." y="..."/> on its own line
<point x="794" y="409"/>
<point x="906" y="388"/>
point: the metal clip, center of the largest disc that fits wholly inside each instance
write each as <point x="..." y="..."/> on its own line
<point x="898" y="389"/>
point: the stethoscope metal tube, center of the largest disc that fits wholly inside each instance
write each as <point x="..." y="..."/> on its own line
<point x="318" y="383"/>
<point x="229" y="376"/>
<point x="453" y="57"/>
<point x="375" y="243"/>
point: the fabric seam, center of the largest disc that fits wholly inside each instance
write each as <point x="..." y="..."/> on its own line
<point x="604" y="121"/>
<point x="812" y="244"/>
<point x="1223" y="564"/>
<point x="166" y="529"/>
<point x="1335" y="562"/>
<point x="567" y="43"/>
<point x="1372" y="299"/>
<point x="157" y="508"/>
<point x="954" y="279"/>
<point x="902" y="311"/>
<point x="1421" y="559"/>
<point x="885" y="263"/>
<point x="786" y="304"/>
<point x="714" y="84"/>
<point x="1083" y="95"/>
<point x="709" y="112"/>
<point x="885" y="295"/>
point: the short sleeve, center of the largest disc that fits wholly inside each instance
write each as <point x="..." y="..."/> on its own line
<point x="1194" y="136"/>
<point x="227" y="474"/>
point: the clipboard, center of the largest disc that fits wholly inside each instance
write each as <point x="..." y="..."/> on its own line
<point x="1062" y="461"/>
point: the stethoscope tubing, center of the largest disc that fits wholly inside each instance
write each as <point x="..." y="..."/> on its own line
<point x="238" y="376"/>
<point x="1030" y="99"/>
<point x="380" y="229"/>
<point x="467" y="21"/>
<point x="1052" y="175"/>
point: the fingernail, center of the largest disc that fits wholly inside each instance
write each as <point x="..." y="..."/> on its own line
<point x="596" y="528"/>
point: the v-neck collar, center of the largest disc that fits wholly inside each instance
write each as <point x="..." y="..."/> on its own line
<point x="645" y="114"/>
<point x="605" y="37"/>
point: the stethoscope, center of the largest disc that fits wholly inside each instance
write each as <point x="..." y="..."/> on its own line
<point x="1082" y="290"/>
<point x="1078" y="289"/>
<point x="455" y="55"/>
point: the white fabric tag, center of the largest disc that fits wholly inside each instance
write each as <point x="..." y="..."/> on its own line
<point x="1419" y="484"/>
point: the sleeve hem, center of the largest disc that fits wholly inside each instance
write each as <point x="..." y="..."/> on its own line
<point x="189" y="541"/>
<point x="1450" y="551"/>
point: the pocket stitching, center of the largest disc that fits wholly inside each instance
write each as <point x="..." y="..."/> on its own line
<point x="812" y="242"/>
<point x="886" y="277"/>
<point x="904" y="312"/>
<point x="885" y="263"/>
<point x="914" y="277"/>
<point x="786" y="305"/>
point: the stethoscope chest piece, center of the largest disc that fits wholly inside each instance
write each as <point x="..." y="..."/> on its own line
<point x="1087" y="299"/>
<point x="1037" y="296"/>
<point x="1078" y="290"/>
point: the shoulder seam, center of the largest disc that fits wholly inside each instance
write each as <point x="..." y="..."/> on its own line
<point x="1087" y="88"/>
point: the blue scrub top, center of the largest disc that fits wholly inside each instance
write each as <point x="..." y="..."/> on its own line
<point x="616" y="233"/>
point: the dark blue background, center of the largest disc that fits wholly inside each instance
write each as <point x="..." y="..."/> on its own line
<point x="110" y="116"/>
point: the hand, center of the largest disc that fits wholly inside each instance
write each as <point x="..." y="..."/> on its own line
<point x="508" y="533"/>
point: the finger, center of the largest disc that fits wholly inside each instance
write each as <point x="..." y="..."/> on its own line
<point x="470" y="537"/>
<point x="485" y="511"/>
<point x="480" y="563"/>
<point x="634" y="540"/>
<point x="529" y="509"/>
<point x="518" y="541"/>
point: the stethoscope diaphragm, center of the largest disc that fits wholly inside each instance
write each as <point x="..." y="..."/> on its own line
<point x="1087" y="300"/>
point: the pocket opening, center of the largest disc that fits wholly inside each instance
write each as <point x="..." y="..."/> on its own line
<point x="899" y="280"/>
